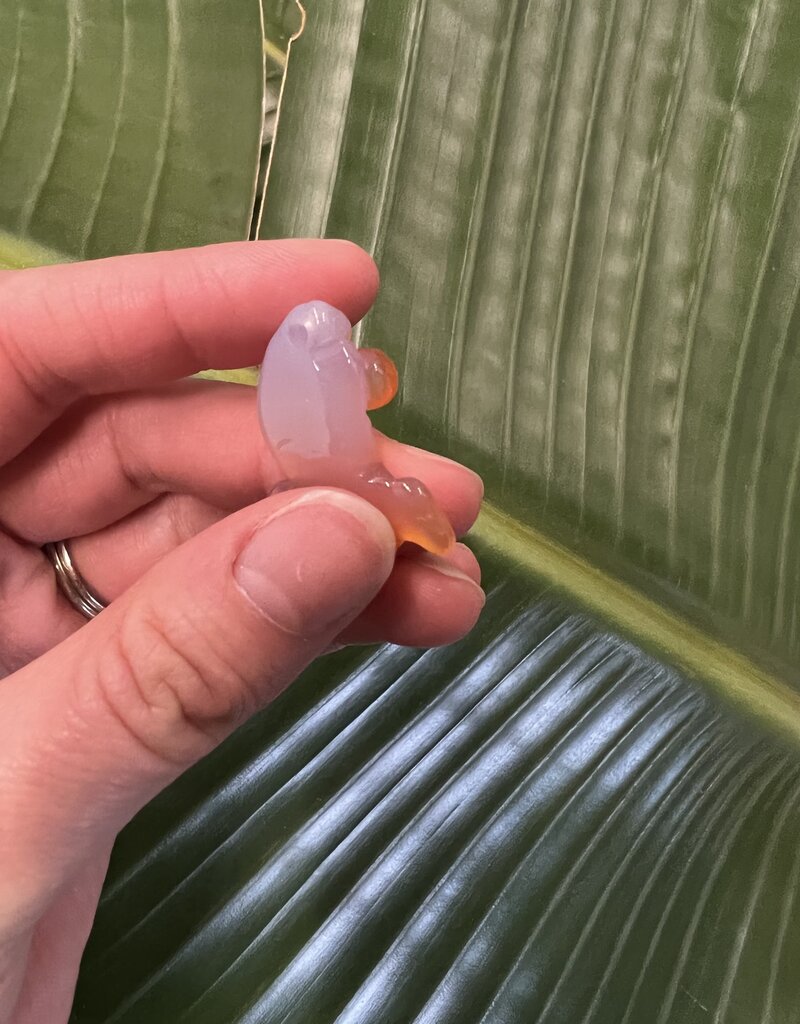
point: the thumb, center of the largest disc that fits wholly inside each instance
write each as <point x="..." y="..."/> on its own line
<point x="93" y="729"/>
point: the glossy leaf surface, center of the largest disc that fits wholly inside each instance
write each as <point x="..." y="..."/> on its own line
<point x="125" y="126"/>
<point x="585" y="216"/>
<point x="541" y="823"/>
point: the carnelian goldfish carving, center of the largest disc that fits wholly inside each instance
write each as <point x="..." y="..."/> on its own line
<point x="313" y="394"/>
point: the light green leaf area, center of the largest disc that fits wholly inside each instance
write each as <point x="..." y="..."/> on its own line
<point x="126" y="126"/>
<point x="586" y="217"/>
<point x="248" y="375"/>
<point x="18" y="253"/>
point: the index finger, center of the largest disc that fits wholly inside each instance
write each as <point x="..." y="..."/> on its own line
<point x="109" y="325"/>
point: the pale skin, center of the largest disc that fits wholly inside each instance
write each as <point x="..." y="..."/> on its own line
<point x="220" y="594"/>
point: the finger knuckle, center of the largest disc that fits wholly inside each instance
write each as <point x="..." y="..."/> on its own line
<point x="176" y="523"/>
<point x="170" y="686"/>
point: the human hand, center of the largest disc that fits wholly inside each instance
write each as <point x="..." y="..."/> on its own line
<point x="220" y="595"/>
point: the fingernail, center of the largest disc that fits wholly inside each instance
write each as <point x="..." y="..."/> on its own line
<point x="447" y="569"/>
<point x="316" y="562"/>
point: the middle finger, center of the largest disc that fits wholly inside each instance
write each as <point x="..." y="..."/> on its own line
<point x="109" y="457"/>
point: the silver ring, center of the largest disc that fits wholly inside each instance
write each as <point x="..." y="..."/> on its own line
<point x="73" y="586"/>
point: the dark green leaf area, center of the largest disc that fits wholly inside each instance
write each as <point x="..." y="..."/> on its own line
<point x="541" y="823"/>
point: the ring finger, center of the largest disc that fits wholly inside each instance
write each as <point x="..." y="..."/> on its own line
<point x="426" y="601"/>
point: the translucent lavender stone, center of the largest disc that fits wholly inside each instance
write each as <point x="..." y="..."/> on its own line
<point x="313" y="393"/>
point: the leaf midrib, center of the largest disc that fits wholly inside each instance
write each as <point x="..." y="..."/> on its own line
<point x="725" y="672"/>
<point x="17" y="253"/>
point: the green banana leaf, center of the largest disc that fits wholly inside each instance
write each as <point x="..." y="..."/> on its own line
<point x="122" y="128"/>
<point x="589" y="810"/>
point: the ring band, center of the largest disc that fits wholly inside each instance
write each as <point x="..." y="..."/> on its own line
<point x="72" y="584"/>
